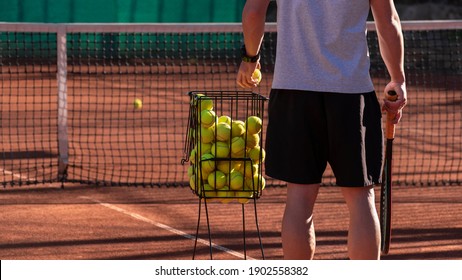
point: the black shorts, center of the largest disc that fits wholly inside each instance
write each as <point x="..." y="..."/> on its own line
<point x="306" y="130"/>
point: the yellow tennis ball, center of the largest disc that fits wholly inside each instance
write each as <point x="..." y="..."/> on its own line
<point x="137" y="103"/>
<point x="254" y="124"/>
<point x="252" y="140"/>
<point x="203" y="148"/>
<point x="249" y="169"/>
<point x="237" y="146"/>
<point x="237" y="128"/>
<point x="257" y="154"/>
<point x="224" y="119"/>
<point x="207" y="134"/>
<point x="207" y="163"/>
<point x="217" y="179"/>
<point x="236" y="180"/>
<point x="223" y="131"/>
<point x="220" y="149"/>
<point x="256" y="75"/>
<point x="207" y="118"/>
<point x="256" y="183"/>
<point x="225" y="166"/>
<point x="223" y="194"/>
<point x="205" y="103"/>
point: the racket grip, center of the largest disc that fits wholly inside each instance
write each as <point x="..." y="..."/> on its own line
<point x="390" y="126"/>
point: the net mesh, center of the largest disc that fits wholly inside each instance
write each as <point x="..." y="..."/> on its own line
<point x="100" y="138"/>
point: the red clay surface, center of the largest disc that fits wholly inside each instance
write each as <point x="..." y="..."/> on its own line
<point x="83" y="222"/>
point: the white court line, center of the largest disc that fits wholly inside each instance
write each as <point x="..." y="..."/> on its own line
<point x="17" y="175"/>
<point x="167" y="228"/>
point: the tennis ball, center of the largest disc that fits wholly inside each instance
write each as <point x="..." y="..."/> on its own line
<point x="225" y="166"/>
<point x="249" y="169"/>
<point x="220" y="149"/>
<point x="223" y="194"/>
<point x="190" y="171"/>
<point x="223" y="131"/>
<point x="236" y="180"/>
<point x="252" y="140"/>
<point x="257" y="154"/>
<point x="203" y="148"/>
<point x="192" y="183"/>
<point x="217" y="179"/>
<point x="193" y="156"/>
<point x="254" y="125"/>
<point x="257" y="182"/>
<point x="256" y="76"/>
<point x="205" y="103"/>
<point x="237" y="128"/>
<point x="207" y="135"/>
<point x="237" y="146"/>
<point x="207" y="118"/>
<point x="137" y="103"/>
<point x="207" y="163"/>
<point x="224" y="119"/>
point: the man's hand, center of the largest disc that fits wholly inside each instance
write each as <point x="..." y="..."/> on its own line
<point x="395" y="107"/>
<point x="244" y="75"/>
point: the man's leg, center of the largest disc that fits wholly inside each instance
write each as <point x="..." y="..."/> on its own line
<point x="364" y="229"/>
<point x="298" y="236"/>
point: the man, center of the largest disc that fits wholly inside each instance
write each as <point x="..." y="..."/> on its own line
<point x="323" y="109"/>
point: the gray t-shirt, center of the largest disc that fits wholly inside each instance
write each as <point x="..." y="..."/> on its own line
<point x="322" y="46"/>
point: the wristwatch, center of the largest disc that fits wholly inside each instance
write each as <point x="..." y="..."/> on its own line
<point x="247" y="58"/>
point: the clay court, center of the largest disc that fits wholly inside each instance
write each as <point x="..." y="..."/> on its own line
<point x="85" y="222"/>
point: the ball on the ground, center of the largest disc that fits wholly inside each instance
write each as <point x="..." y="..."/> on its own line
<point x="137" y="103"/>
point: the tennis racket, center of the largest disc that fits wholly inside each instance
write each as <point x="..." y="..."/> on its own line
<point x="386" y="188"/>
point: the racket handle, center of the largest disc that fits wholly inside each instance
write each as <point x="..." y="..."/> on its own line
<point x="390" y="126"/>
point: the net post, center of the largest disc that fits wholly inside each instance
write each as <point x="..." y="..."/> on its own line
<point x="63" y="142"/>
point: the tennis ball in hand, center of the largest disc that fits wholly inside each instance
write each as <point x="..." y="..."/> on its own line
<point x="137" y="103"/>
<point x="254" y="124"/>
<point x="256" y="76"/>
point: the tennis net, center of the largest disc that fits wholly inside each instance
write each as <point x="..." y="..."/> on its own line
<point x="67" y="93"/>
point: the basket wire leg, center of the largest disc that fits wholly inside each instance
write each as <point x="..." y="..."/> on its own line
<point x="243" y="232"/>
<point x="197" y="228"/>
<point x="258" y="228"/>
<point x="208" y="228"/>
